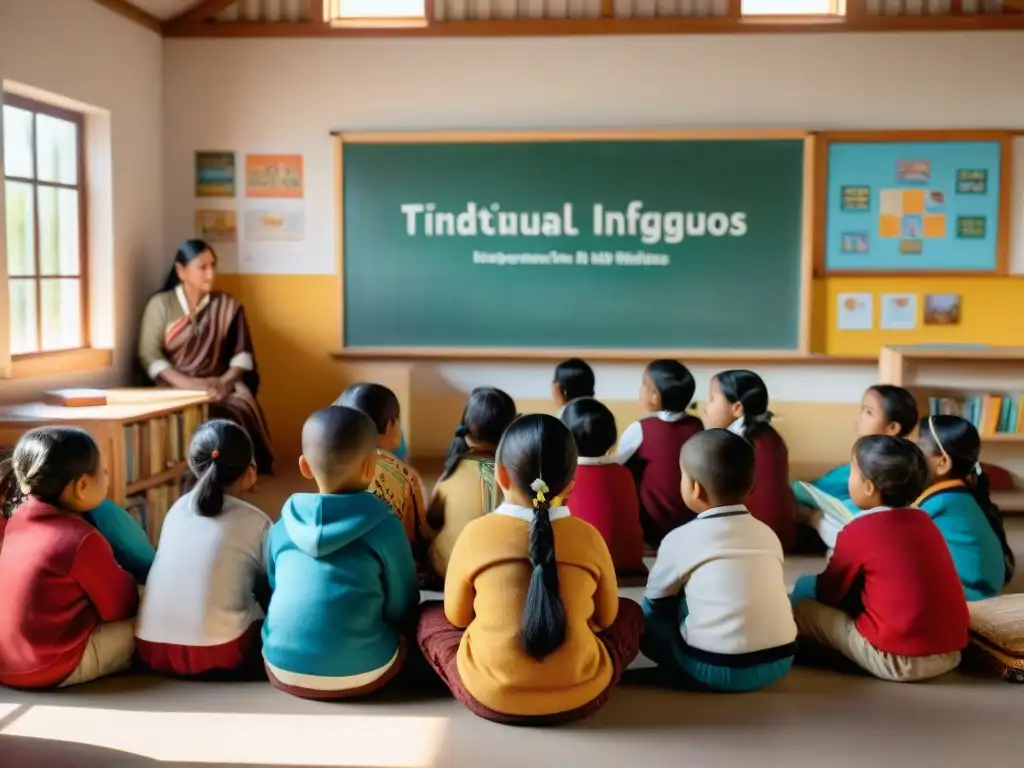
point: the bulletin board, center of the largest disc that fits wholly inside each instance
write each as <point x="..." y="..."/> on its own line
<point x="910" y="203"/>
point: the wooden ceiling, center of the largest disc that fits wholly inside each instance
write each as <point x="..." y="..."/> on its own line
<point x="481" y="18"/>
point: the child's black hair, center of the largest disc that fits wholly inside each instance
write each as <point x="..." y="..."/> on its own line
<point x="574" y="379"/>
<point x="44" y="461"/>
<point x="375" y="400"/>
<point x="959" y="441"/>
<point x="336" y="436"/>
<point x="219" y="454"/>
<point x="895" y="466"/>
<point x="748" y="389"/>
<point x="722" y="462"/>
<point x="540" y="448"/>
<point x="592" y="426"/>
<point x="674" y="383"/>
<point x="898" y="405"/>
<point x="485" y="418"/>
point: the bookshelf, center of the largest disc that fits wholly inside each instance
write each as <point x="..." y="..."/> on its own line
<point x="981" y="383"/>
<point x="143" y="435"/>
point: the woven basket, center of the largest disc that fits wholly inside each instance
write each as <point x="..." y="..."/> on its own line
<point x="997" y="636"/>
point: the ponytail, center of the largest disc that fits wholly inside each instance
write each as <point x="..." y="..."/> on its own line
<point x="10" y="490"/>
<point x="209" y="492"/>
<point x="979" y="486"/>
<point x="457" y="451"/>
<point x="749" y="390"/>
<point x="543" y="630"/>
<point x="219" y="455"/>
<point x="485" y="418"/>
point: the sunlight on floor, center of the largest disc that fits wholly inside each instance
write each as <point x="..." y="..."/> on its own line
<point x="309" y="740"/>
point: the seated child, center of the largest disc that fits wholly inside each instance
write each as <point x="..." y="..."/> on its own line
<point x="573" y="379"/>
<point x="885" y="409"/>
<point x="466" y="489"/>
<point x="395" y="482"/>
<point x="650" y="447"/>
<point x="890" y="599"/>
<point x="604" y="494"/>
<point x="958" y="501"/>
<point x="717" y="613"/>
<point x="738" y="401"/>
<point x="532" y="630"/>
<point x="199" y="615"/>
<point x="341" y="572"/>
<point x="67" y="607"/>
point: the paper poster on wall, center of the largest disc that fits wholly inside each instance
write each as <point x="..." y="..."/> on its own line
<point x="970" y="227"/>
<point x="215" y="174"/>
<point x="855" y="242"/>
<point x="217" y="226"/>
<point x="942" y="309"/>
<point x="274" y="222"/>
<point x="856" y="312"/>
<point x="899" y="311"/>
<point x="274" y="176"/>
<point x="913" y="171"/>
<point x="856" y="198"/>
<point x="971" y="182"/>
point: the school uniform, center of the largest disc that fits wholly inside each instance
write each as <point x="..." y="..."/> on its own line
<point x="973" y="543"/>
<point x="65" y="616"/>
<point x="890" y="598"/>
<point x="459" y="499"/>
<point x="717" y="615"/>
<point x="199" y="612"/>
<point x="650" y="449"/>
<point x="771" y="499"/>
<point x="605" y="496"/>
<point x="474" y="640"/>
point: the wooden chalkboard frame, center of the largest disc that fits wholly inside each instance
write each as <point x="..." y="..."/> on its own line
<point x="820" y="196"/>
<point x="801" y="353"/>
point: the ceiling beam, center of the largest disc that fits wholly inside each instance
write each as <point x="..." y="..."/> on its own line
<point x="133" y="13"/>
<point x="197" y="15"/>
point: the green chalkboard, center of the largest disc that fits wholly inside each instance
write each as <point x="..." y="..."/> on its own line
<point x="616" y="245"/>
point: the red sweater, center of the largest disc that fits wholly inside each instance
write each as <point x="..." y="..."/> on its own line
<point x="771" y="501"/>
<point x="59" y="580"/>
<point x="655" y="466"/>
<point x="605" y="496"/>
<point x="895" y="568"/>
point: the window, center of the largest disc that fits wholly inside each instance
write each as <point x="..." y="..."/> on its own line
<point x="793" y="7"/>
<point x="45" y="222"/>
<point x="377" y="12"/>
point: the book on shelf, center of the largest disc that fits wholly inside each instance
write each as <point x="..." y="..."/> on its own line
<point x="991" y="414"/>
<point x="75" y="398"/>
<point x="834" y="511"/>
<point x="158" y="444"/>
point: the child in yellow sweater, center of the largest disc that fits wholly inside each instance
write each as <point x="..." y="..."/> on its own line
<point x="532" y="629"/>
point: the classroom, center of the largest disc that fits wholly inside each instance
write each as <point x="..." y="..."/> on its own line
<point x="445" y="195"/>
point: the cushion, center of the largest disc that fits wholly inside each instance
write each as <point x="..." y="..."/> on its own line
<point x="997" y="636"/>
<point x="998" y="478"/>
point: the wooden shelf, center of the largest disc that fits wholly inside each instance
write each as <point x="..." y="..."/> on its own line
<point x="169" y="474"/>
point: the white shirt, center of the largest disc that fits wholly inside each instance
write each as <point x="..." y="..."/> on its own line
<point x="526" y="513"/>
<point x="633" y="437"/>
<point x="200" y="588"/>
<point x="728" y="565"/>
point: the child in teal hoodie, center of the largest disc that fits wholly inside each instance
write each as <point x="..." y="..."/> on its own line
<point x="340" y="568"/>
<point x="958" y="503"/>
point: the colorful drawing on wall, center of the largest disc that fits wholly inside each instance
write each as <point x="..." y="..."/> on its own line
<point x="274" y="176"/>
<point x="913" y="171"/>
<point x="274" y="222"/>
<point x="915" y="215"/>
<point x="899" y="312"/>
<point x="970" y="227"/>
<point x="856" y="198"/>
<point x="971" y="181"/>
<point x="217" y="226"/>
<point x="215" y="174"/>
<point x="855" y="242"/>
<point x="856" y="312"/>
<point x="942" y="309"/>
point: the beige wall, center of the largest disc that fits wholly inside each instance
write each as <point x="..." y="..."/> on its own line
<point x="83" y="52"/>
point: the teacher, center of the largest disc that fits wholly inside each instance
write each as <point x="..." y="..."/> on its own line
<point x="193" y="337"/>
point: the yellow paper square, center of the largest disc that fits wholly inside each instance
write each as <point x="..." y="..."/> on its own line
<point x="935" y="225"/>
<point x="913" y="201"/>
<point x="888" y="226"/>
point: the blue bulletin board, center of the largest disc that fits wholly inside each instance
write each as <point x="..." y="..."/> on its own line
<point x="914" y="206"/>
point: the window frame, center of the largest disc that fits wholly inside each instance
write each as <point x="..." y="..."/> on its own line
<point x="37" y="107"/>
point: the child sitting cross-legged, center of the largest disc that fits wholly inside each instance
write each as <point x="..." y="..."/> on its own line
<point x="716" y="609"/>
<point x="340" y="568"/>
<point x="890" y="599"/>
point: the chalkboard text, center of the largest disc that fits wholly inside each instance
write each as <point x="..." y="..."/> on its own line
<point x="651" y="227"/>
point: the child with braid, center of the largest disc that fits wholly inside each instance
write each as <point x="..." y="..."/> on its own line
<point x="532" y="629"/>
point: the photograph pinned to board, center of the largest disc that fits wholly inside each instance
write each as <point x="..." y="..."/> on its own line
<point x="274" y="222"/>
<point x="911" y="247"/>
<point x="972" y="181"/>
<point x="970" y="227"/>
<point x="274" y="176"/>
<point x="856" y="312"/>
<point x="914" y="171"/>
<point x="855" y="198"/>
<point x="855" y="242"/>
<point x="217" y="226"/>
<point x="215" y="174"/>
<point x="899" y="311"/>
<point x="942" y="309"/>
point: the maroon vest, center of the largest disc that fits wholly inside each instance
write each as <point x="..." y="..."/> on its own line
<point x="655" y="466"/>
